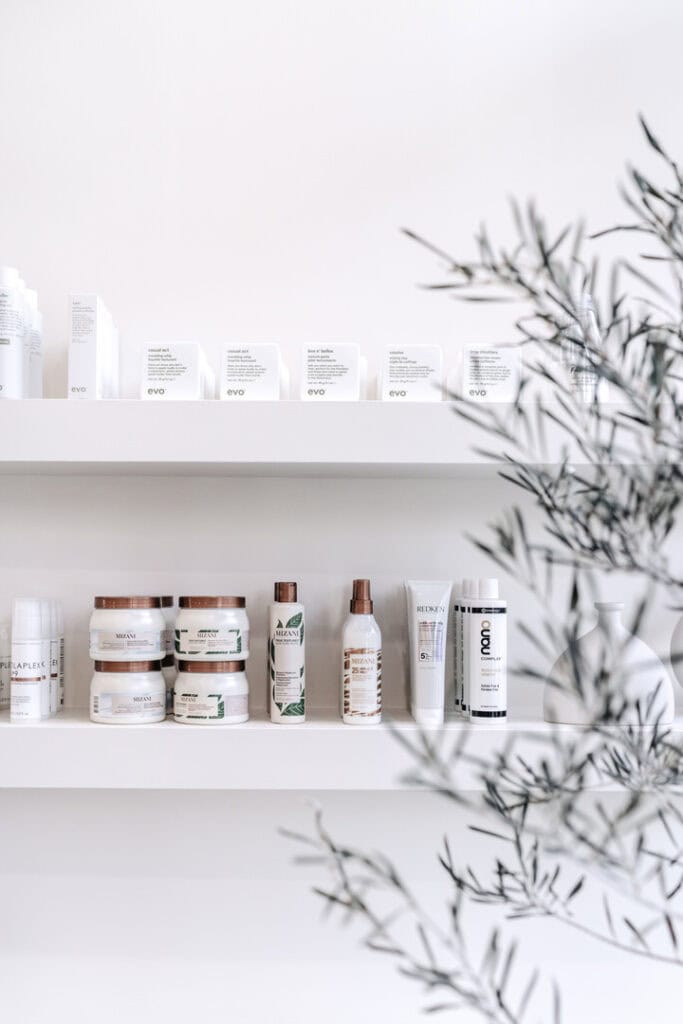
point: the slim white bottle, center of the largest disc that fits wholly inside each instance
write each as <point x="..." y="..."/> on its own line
<point x="361" y="675"/>
<point x="286" y="656"/>
<point x="11" y="334"/>
<point x="28" y="664"/>
<point x="469" y="589"/>
<point x="54" y="660"/>
<point x="45" y="633"/>
<point x="487" y="671"/>
<point x="60" y="638"/>
<point x="457" y="646"/>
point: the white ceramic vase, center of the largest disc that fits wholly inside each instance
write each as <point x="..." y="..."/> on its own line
<point x="640" y="679"/>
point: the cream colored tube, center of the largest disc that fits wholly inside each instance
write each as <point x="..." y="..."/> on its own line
<point x="428" y="603"/>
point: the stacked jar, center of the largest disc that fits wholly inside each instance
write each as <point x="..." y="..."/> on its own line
<point x="127" y="644"/>
<point x="211" y="647"/>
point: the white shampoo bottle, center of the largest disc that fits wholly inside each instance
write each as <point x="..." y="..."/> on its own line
<point x="361" y="675"/>
<point x="286" y="656"/>
<point x="487" y="654"/>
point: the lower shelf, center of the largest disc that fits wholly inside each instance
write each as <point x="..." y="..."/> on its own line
<point x="71" y="752"/>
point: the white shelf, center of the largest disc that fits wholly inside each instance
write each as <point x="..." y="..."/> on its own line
<point x="240" y="438"/>
<point x="70" y="752"/>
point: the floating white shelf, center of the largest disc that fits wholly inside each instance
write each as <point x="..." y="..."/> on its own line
<point x="241" y="438"/>
<point x="70" y="752"/>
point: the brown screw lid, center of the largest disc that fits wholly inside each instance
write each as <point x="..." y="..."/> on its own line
<point x="128" y="666"/>
<point x="212" y="602"/>
<point x="285" y="592"/>
<point x="128" y="602"/>
<point x="361" y="602"/>
<point x="211" y="666"/>
<point x="167" y="601"/>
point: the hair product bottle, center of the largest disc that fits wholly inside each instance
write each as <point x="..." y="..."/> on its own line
<point x="487" y="653"/>
<point x="29" y="669"/>
<point x="286" y="656"/>
<point x="457" y="646"/>
<point x="361" y="689"/>
<point x="469" y="590"/>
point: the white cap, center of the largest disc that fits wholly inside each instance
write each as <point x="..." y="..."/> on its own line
<point x="467" y="586"/>
<point x="488" y="588"/>
<point x="428" y="717"/>
<point x="31" y="296"/>
<point x="9" y="277"/>
<point x="26" y="618"/>
<point x="59" y="617"/>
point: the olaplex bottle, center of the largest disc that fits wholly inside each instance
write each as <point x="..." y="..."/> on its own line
<point x="29" y="672"/>
<point x="486" y="641"/>
<point x="361" y="674"/>
<point x="286" y="656"/>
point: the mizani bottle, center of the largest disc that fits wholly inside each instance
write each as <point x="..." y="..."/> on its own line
<point x="286" y="656"/>
<point x="361" y="682"/>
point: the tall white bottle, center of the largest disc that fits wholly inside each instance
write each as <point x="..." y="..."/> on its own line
<point x="457" y="646"/>
<point x="361" y="670"/>
<point x="11" y="334"/>
<point x="33" y="347"/>
<point x="469" y="590"/>
<point x="54" y="660"/>
<point x="45" y="633"/>
<point x="287" y="656"/>
<point x="487" y="654"/>
<point x="28" y="661"/>
<point x="60" y="638"/>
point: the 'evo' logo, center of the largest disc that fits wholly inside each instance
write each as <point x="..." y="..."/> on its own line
<point x="317" y="391"/>
<point x="77" y="391"/>
<point x="478" y="392"/>
<point x="156" y="391"/>
<point x="234" y="391"/>
<point x="397" y="394"/>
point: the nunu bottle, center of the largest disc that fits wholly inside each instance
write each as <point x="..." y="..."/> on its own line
<point x="361" y="676"/>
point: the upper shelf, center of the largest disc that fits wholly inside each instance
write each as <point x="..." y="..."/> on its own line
<point x="240" y="439"/>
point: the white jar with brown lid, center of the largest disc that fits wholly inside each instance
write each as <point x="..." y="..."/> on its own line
<point x="212" y="629"/>
<point x="211" y="693"/>
<point x="127" y="629"/>
<point x="127" y="693"/>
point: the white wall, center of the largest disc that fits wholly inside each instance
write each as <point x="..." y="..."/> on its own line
<point x="240" y="171"/>
<point x="222" y="170"/>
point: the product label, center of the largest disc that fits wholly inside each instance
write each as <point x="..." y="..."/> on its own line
<point x="250" y="372"/>
<point x="213" y="707"/>
<point x="172" y="371"/>
<point x="412" y="373"/>
<point x="331" y="372"/>
<point x="26" y="699"/>
<point x="286" y="667"/>
<point x="141" y="705"/>
<point x="491" y="374"/>
<point x="362" y="682"/>
<point x="487" y="636"/>
<point x="430" y="641"/>
<point x="214" y="642"/>
<point x="145" y="644"/>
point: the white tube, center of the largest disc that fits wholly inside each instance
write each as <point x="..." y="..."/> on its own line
<point x="427" y="603"/>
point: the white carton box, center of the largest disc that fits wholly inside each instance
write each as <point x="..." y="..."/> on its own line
<point x="333" y="373"/>
<point x="175" y="371"/>
<point x="490" y="373"/>
<point x="253" y="373"/>
<point x="412" y="373"/>
<point x="88" y="347"/>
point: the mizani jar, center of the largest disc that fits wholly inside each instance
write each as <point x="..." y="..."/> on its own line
<point x="635" y="687"/>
